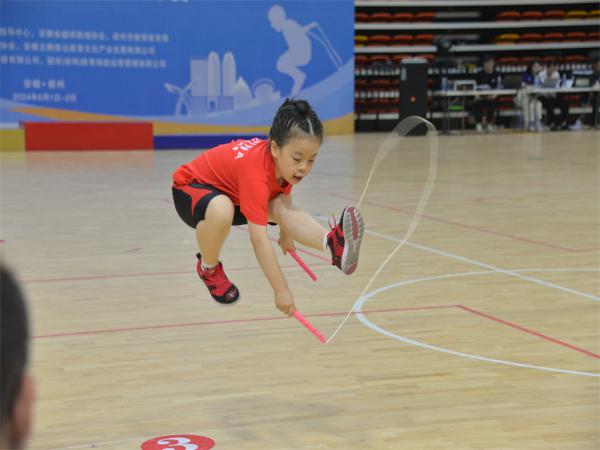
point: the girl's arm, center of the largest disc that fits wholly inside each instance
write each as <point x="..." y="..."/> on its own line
<point x="267" y="260"/>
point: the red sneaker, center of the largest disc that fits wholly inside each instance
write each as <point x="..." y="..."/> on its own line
<point x="344" y="239"/>
<point x="219" y="286"/>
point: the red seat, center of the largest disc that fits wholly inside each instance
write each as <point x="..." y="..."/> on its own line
<point x="575" y="36"/>
<point x="361" y="60"/>
<point x="508" y="16"/>
<point x="553" y="37"/>
<point x="403" y="17"/>
<point x="528" y="59"/>
<point x="528" y="38"/>
<point x="593" y="36"/>
<point x="425" y="17"/>
<point x="507" y="61"/>
<point x="423" y="39"/>
<point x="570" y="59"/>
<point x="532" y="15"/>
<point x="428" y="56"/>
<point x="380" y="17"/>
<point x="554" y="14"/>
<point x="361" y="17"/>
<point x="379" y="59"/>
<point x="402" y="39"/>
<point x="378" y="40"/>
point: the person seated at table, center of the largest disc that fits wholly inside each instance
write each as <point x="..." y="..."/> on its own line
<point x="488" y="78"/>
<point x="531" y="105"/>
<point x="550" y="78"/>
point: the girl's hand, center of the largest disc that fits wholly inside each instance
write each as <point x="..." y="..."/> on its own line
<point x="286" y="242"/>
<point x="284" y="301"/>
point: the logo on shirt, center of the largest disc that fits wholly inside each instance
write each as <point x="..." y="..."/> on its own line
<point x="244" y="146"/>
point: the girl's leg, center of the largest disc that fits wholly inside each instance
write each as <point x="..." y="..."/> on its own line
<point x="299" y="225"/>
<point x="214" y="229"/>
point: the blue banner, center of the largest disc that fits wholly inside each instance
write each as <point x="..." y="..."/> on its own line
<point x="213" y="64"/>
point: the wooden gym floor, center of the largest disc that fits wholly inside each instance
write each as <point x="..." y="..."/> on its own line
<point x="483" y="332"/>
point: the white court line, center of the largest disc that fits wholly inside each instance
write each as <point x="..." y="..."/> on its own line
<point x="359" y="304"/>
<point x="511" y="273"/>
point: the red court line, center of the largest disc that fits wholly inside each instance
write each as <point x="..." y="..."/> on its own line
<point x="225" y="322"/>
<point x="527" y="330"/>
<point x="142" y="274"/>
<point x="328" y="314"/>
<point x="471" y="227"/>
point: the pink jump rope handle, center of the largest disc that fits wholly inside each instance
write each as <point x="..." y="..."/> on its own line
<point x="303" y="265"/>
<point x="309" y="326"/>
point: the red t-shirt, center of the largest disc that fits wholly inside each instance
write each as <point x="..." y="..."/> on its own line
<point x="244" y="170"/>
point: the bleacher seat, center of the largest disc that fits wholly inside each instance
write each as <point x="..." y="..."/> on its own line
<point x="570" y="59"/>
<point x="425" y="17"/>
<point x="381" y="59"/>
<point x="528" y="38"/>
<point x="554" y="14"/>
<point x="507" y="61"/>
<point x="402" y="39"/>
<point x="403" y="17"/>
<point x="528" y="59"/>
<point x="593" y="36"/>
<point x="361" y="17"/>
<point x="380" y="17"/>
<point x="593" y="14"/>
<point x="532" y="15"/>
<point x="549" y="58"/>
<point x="360" y="40"/>
<point x="576" y="14"/>
<point x="506" y="16"/>
<point x="575" y="36"/>
<point x="379" y="40"/>
<point x="423" y="39"/>
<point x="548" y="38"/>
<point x="507" y="38"/>
<point x="361" y="60"/>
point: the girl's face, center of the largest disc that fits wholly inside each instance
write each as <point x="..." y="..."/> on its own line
<point x="536" y="67"/>
<point x="294" y="160"/>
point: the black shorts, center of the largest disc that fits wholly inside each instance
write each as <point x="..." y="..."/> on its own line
<point x="192" y="200"/>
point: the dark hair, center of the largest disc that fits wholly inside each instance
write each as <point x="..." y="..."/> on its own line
<point x="487" y="58"/>
<point x="295" y="118"/>
<point x="14" y="336"/>
<point x="530" y="65"/>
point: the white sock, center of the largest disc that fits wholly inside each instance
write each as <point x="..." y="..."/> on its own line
<point x="325" y="242"/>
<point x="208" y="267"/>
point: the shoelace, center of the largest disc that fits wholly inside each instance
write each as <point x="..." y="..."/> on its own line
<point x="332" y="225"/>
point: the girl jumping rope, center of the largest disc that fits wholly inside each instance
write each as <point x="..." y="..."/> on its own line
<point x="250" y="181"/>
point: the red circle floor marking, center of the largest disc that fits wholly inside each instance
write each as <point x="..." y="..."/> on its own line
<point x="179" y="442"/>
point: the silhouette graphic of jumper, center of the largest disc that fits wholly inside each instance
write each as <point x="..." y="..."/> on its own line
<point x="299" y="51"/>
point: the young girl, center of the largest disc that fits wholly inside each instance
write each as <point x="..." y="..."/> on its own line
<point x="250" y="181"/>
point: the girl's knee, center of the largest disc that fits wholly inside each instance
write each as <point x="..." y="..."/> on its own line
<point x="220" y="208"/>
